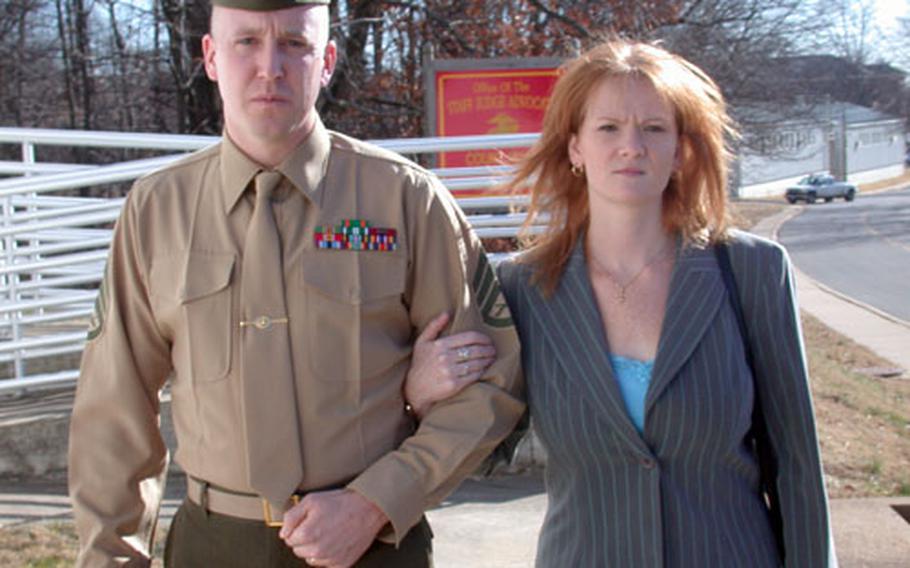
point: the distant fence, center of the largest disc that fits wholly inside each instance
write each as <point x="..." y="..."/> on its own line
<point x="53" y="247"/>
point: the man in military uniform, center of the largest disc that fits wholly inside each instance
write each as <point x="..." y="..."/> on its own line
<point x="278" y="279"/>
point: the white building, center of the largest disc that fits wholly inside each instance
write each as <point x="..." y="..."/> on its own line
<point x="853" y="142"/>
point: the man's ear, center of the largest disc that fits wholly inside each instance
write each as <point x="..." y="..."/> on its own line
<point x="329" y="58"/>
<point x="208" y="57"/>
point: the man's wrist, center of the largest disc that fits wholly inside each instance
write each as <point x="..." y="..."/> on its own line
<point x="375" y="517"/>
<point x="417" y="412"/>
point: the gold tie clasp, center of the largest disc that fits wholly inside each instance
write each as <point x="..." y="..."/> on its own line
<point x="262" y="323"/>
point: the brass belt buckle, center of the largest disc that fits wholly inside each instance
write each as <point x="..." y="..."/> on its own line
<point x="267" y="511"/>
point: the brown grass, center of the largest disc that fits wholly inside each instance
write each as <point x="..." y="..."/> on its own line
<point x="747" y="212"/>
<point x="50" y="545"/>
<point x="38" y="545"/>
<point x="863" y="420"/>
<point x="899" y="180"/>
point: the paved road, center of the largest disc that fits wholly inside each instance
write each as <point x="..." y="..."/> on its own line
<point x="861" y="249"/>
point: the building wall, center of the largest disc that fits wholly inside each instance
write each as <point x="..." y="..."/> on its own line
<point x="768" y="189"/>
<point x="875" y="146"/>
<point x="782" y="156"/>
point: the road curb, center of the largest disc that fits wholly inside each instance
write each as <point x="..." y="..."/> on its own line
<point x="858" y="303"/>
<point x="777" y="221"/>
<point x="881" y="332"/>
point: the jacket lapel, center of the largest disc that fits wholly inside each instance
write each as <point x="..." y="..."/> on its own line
<point x="696" y="294"/>
<point x="572" y="325"/>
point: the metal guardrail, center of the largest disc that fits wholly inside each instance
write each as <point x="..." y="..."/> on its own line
<point x="53" y="247"/>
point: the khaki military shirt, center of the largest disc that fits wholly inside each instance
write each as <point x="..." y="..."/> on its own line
<point x="169" y="309"/>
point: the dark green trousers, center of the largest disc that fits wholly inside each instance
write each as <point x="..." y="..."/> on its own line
<point x="201" y="539"/>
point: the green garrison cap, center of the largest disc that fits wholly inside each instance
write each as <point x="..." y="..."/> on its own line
<point x="266" y="5"/>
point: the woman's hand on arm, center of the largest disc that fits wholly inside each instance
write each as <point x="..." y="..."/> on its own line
<point x="442" y="367"/>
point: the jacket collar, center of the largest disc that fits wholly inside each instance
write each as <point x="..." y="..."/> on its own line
<point x="572" y="323"/>
<point x="696" y="294"/>
<point x="580" y="343"/>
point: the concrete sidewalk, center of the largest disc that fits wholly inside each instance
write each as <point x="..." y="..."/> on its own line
<point x="493" y="523"/>
<point x="886" y="335"/>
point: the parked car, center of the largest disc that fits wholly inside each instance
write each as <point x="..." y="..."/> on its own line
<point x="820" y="186"/>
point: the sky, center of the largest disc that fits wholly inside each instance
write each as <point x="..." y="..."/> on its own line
<point x="890" y="48"/>
<point x="887" y="12"/>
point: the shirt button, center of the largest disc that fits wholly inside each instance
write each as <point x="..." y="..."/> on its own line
<point x="648" y="463"/>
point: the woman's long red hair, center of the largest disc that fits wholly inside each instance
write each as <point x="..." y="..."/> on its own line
<point x="695" y="200"/>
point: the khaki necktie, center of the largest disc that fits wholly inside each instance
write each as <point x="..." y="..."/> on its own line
<point x="269" y="400"/>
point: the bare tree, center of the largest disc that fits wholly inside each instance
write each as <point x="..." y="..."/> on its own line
<point x="850" y="27"/>
<point x="845" y="62"/>
<point x="116" y="64"/>
<point x="69" y="88"/>
<point x="186" y="21"/>
<point x="16" y="17"/>
<point x="81" y="56"/>
<point x="121" y="71"/>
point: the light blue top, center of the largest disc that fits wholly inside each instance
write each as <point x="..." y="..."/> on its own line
<point x="633" y="377"/>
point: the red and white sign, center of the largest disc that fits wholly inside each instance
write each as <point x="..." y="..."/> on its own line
<point x="494" y="101"/>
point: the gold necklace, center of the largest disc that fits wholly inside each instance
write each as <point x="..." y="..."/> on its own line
<point x="623" y="287"/>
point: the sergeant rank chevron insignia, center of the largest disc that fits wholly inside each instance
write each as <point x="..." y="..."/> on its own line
<point x="489" y="296"/>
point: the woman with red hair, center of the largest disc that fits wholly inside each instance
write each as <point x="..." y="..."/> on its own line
<point x="657" y="407"/>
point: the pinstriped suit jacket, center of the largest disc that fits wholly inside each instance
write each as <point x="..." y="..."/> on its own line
<point x="686" y="491"/>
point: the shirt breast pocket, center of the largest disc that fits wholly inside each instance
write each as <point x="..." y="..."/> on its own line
<point x="198" y="288"/>
<point x="356" y="323"/>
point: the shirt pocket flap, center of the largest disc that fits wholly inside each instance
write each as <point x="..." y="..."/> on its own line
<point x="355" y="278"/>
<point x="205" y="274"/>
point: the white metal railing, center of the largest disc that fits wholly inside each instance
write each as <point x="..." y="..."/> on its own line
<point x="53" y="247"/>
<point x="24" y="168"/>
